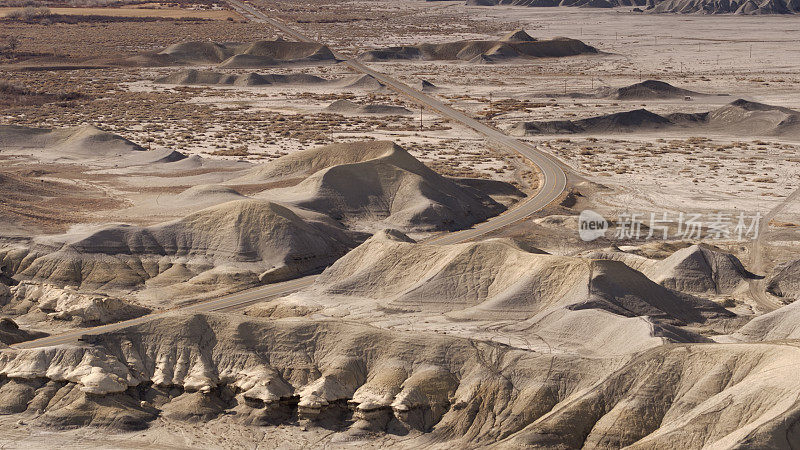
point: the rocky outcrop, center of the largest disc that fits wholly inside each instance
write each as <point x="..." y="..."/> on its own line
<point x="428" y="387"/>
<point x="67" y="304"/>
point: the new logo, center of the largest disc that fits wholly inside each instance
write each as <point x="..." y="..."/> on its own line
<point x="591" y="225"/>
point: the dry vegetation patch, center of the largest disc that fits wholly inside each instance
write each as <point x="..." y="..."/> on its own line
<point x="85" y="40"/>
<point x="11" y="95"/>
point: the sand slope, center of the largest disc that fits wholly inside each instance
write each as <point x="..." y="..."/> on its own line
<point x="783" y="323"/>
<point x="211" y="78"/>
<point x="739" y="7"/>
<point x="371" y="185"/>
<point x="648" y="90"/>
<point x="245" y="55"/>
<point x="516" y="45"/>
<point x="497" y="279"/>
<point x="740" y="117"/>
<point x="496" y="290"/>
<point x="645" y="90"/>
<point x="80" y="144"/>
<point x="427" y="86"/>
<point x="784" y="282"/>
<point x="694" y="269"/>
<point x="194" y="76"/>
<point x="553" y="3"/>
<point x="623" y="122"/>
<point x="679" y="396"/>
<point x="234" y="243"/>
<point x="207" y="195"/>
<point x="342" y="375"/>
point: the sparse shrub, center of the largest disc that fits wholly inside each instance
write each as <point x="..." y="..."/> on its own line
<point x="240" y="151"/>
<point x="29" y="14"/>
<point x="764" y="180"/>
<point x="8" y="43"/>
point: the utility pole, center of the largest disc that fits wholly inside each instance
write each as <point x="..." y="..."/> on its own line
<point x="565" y="87"/>
<point x="420" y="117"/>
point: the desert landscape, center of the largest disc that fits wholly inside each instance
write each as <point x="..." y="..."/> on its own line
<point x="411" y="224"/>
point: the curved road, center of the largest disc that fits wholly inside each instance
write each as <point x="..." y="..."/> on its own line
<point x="758" y="291"/>
<point x="554" y="181"/>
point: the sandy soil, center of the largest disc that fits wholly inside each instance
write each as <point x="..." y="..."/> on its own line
<point x="170" y="13"/>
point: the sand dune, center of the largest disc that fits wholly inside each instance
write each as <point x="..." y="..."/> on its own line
<point x="517" y="45"/>
<point x="235" y="242"/>
<point x="198" y="52"/>
<point x="283" y="51"/>
<point x="207" y="195"/>
<point x="649" y="90"/>
<point x="553" y="3"/>
<point x="694" y="269"/>
<point x="371" y="185"/>
<point x="755" y="118"/>
<point x="784" y="282"/>
<point x="645" y="90"/>
<point x="366" y="82"/>
<point x="206" y="77"/>
<point x="778" y="325"/>
<point x="305" y="163"/>
<point x="519" y="35"/>
<point x="740" y="117"/>
<point x="623" y="122"/>
<point x="495" y="290"/>
<point x="80" y="144"/>
<point x="348" y="107"/>
<point x="245" y="55"/>
<point x="427" y="86"/>
<point x="496" y="279"/>
<point x="194" y="76"/>
<point x="739" y="7"/>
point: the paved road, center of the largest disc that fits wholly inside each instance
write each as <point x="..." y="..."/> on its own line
<point x="553" y="183"/>
<point x="227" y="303"/>
<point x="554" y="180"/>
